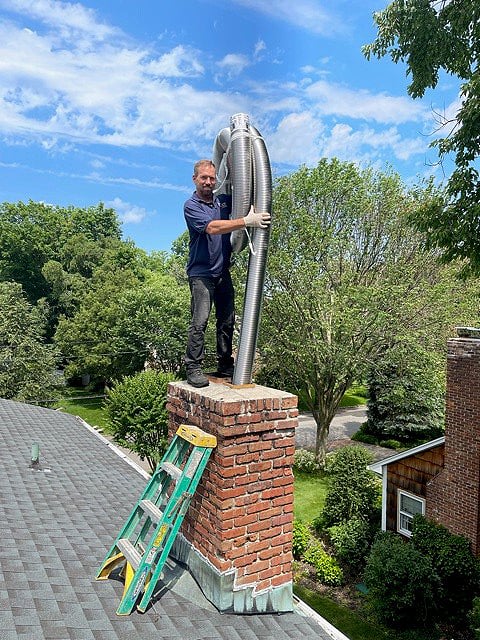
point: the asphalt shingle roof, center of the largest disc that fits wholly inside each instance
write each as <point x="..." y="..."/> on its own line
<point x="56" y="525"/>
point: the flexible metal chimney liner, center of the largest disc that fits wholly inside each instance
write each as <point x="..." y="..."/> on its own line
<point x="243" y="169"/>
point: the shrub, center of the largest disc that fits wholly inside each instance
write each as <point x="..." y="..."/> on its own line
<point x="326" y="568"/>
<point x="353" y="490"/>
<point x="401" y="581"/>
<point x="362" y="435"/>
<point x="406" y="394"/>
<point x="453" y="561"/>
<point x="351" y="541"/>
<point x="474" y="618"/>
<point x="305" y="461"/>
<point x="301" y="538"/>
<point x="136" y="414"/>
<point x="391" y="444"/>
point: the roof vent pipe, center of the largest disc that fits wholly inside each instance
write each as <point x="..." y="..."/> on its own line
<point x="243" y="169"/>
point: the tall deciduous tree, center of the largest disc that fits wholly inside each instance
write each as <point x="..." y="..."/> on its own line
<point x="429" y="36"/>
<point x="33" y="233"/>
<point x="347" y="277"/>
<point x="85" y="339"/>
<point x="27" y="365"/>
<point x="126" y="321"/>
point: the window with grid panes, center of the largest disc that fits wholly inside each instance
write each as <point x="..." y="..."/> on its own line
<point x="408" y="506"/>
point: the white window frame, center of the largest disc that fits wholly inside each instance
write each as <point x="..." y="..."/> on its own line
<point x="405" y="514"/>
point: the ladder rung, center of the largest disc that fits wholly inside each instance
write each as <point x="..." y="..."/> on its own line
<point x="173" y="471"/>
<point x="151" y="510"/>
<point x="132" y="556"/>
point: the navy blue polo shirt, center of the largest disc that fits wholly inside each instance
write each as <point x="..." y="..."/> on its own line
<point x="209" y="255"/>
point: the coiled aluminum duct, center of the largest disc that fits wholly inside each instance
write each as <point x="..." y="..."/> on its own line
<point x="243" y="169"/>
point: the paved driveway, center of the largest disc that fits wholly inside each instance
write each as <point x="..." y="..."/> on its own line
<point x="345" y="423"/>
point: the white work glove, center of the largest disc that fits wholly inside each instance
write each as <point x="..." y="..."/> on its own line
<point x="257" y="219"/>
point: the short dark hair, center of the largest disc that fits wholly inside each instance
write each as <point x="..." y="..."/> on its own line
<point x="199" y="163"/>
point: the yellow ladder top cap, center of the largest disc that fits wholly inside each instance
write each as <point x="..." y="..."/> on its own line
<point x="196" y="436"/>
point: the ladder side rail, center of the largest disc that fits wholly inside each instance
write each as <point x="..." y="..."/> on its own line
<point x="164" y="536"/>
<point x="175" y="516"/>
<point x="159" y="478"/>
<point x="141" y="576"/>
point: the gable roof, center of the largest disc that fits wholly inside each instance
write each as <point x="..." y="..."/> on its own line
<point x="58" y="522"/>
<point x="377" y="467"/>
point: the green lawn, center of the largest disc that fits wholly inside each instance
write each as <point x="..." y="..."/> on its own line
<point x="308" y="495"/>
<point x="83" y="405"/>
<point x="355" y="396"/>
<point x="343" y="618"/>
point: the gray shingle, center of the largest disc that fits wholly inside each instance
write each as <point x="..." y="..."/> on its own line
<point x="58" y="522"/>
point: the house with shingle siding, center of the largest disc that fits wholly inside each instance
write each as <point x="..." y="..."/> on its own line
<point x="441" y="479"/>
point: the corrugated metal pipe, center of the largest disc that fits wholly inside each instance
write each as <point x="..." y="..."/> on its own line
<point x="243" y="170"/>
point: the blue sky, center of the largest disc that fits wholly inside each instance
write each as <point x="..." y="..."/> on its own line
<point x="114" y="100"/>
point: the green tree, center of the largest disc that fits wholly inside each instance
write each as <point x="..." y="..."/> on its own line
<point x="430" y="36"/>
<point x="406" y="394"/>
<point x="137" y="415"/>
<point x="152" y="322"/>
<point x="33" y="233"/>
<point x="27" y="365"/>
<point x="347" y="277"/>
<point x="131" y="316"/>
<point x="87" y="340"/>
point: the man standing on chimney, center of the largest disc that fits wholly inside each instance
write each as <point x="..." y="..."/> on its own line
<point x="208" y="269"/>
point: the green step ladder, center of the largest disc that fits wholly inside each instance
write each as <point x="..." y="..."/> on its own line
<point x="144" y="542"/>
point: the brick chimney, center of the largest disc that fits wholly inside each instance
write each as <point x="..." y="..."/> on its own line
<point x="236" y="538"/>
<point x="453" y="497"/>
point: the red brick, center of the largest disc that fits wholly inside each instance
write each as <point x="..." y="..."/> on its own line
<point x="278" y="581"/>
<point x="246" y="560"/>
<point x="258" y="527"/>
<point x="246" y="520"/>
<point x="289" y="402"/>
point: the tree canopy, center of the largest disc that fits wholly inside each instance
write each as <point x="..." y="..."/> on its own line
<point x="347" y="279"/>
<point x="27" y="364"/>
<point x="130" y="316"/>
<point x="430" y="36"/>
<point x="33" y="233"/>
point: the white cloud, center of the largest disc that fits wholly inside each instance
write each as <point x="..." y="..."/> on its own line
<point x="296" y="140"/>
<point x="126" y="211"/>
<point x="181" y="62"/>
<point x="259" y="47"/>
<point x="306" y="14"/>
<point x="335" y="99"/>
<point x="105" y="95"/>
<point x="101" y="89"/>
<point x="348" y="144"/>
<point x="234" y="63"/>
<point x="62" y="15"/>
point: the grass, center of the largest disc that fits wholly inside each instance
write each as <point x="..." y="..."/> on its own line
<point x="354" y="397"/>
<point x="309" y="491"/>
<point x="81" y="403"/>
<point x="346" y="620"/>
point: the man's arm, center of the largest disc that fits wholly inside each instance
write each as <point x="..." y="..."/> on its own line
<point x="260" y="220"/>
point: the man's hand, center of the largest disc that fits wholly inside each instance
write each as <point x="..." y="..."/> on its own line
<point x="257" y="219"/>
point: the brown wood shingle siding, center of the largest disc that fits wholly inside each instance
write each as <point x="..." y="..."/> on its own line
<point x="411" y="474"/>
